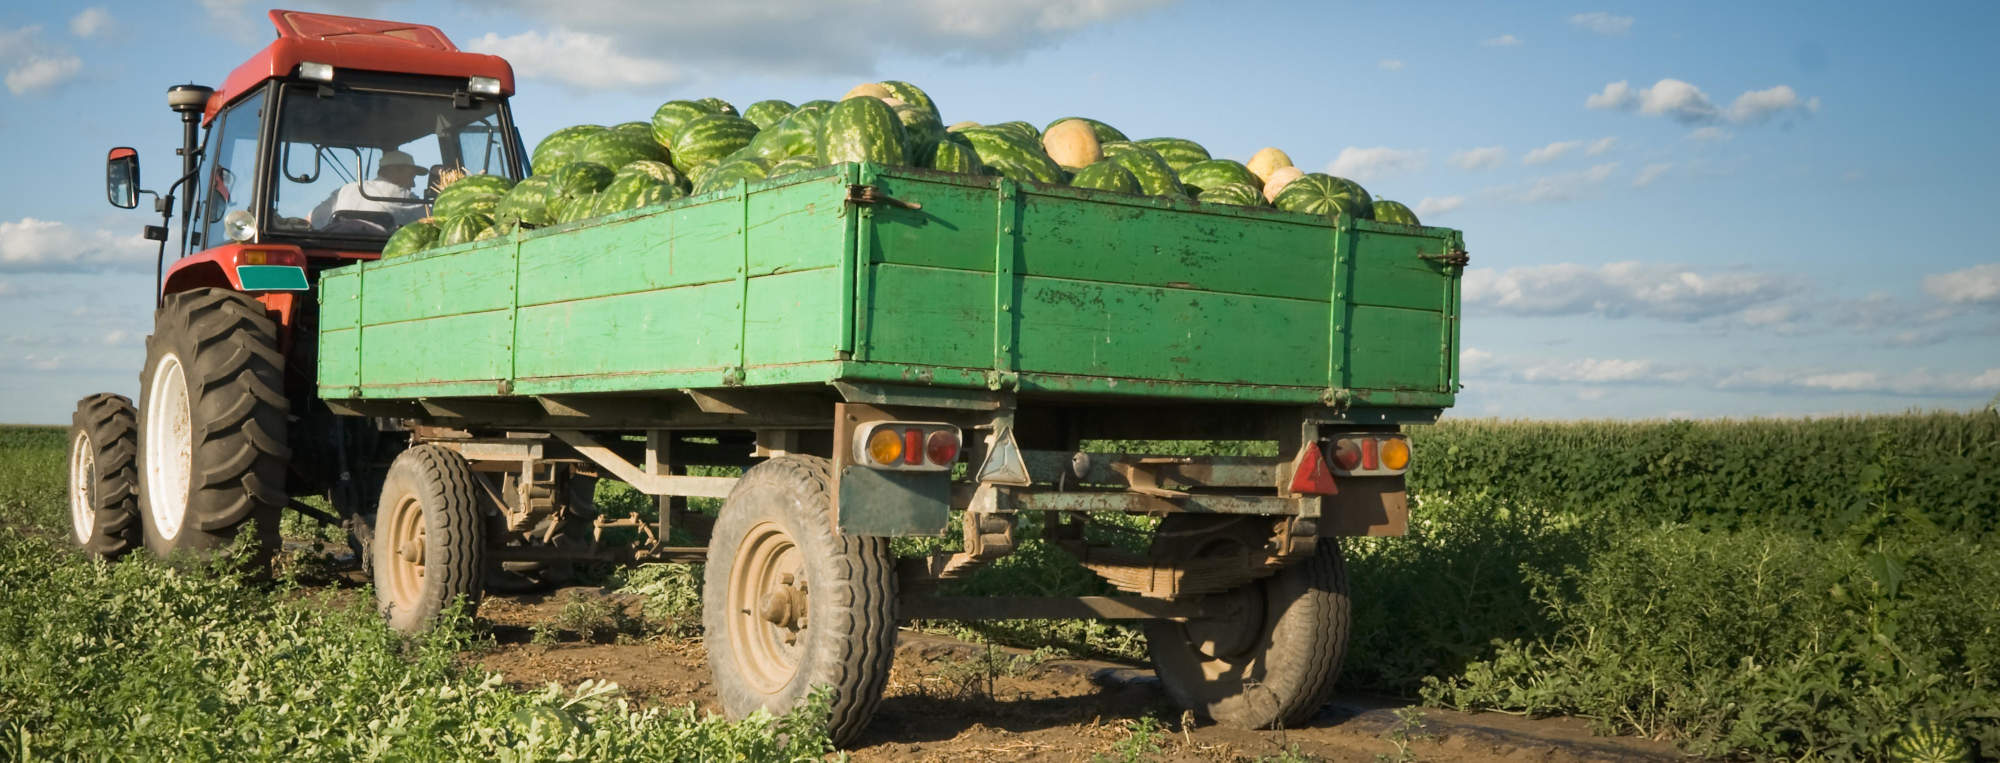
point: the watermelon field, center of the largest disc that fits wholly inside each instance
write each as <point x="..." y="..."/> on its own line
<point x="1770" y="589"/>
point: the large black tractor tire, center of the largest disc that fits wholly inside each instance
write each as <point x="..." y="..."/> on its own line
<point x="789" y="603"/>
<point x="103" y="480"/>
<point x="212" y="424"/>
<point x="1270" y="652"/>
<point x="430" y="540"/>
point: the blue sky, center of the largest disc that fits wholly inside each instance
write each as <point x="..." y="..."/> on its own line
<point x="1700" y="209"/>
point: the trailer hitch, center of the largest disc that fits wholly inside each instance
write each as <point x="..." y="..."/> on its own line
<point x="868" y="194"/>
<point x="1458" y="259"/>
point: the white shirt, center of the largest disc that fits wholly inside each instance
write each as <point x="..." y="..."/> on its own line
<point x="348" y="197"/>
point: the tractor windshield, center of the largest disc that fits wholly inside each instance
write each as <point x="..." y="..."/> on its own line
<point x="360" y="163"/>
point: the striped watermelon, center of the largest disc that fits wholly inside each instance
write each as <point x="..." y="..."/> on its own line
<point x="1929" y="742"/>
<point x="1021" y="130"/>
<point x="572" y="184"/>
<point x="492" y="231"/>
<point x="1105" y="133"/>
<point x="914" y="96"/>
<point x="1179" y="153"/>
<point x="671" y="116"/>
<point x="1394" y="212"/>
<point x="795" y="135"/>
<point x="725" y="175"/>
<point x="410" y="239"/>
<point x="641" y="129"/>
<point x="921" y="132"/>
<point x="656" y="170"/>
<point x="574" y="208"/>
<point x="1202" y="175"/>
<point x="1232" y="193"/>
<point x="1156" y="177"/>
<point x="1106" y="175"/>
<point x="469" y="194"/>
<point x="636" y="185"/>
<point x="463" y="228"/>
<point x="706" y="140"/>
<point x="617" y="148"/>
<point x="862" y="130"/>
<point x="561" y="146"/>
<point x="1002" y="151"/>
<point x="791" y="164"/>
<point x="954" y="154"/>
<point x="718" y="106"/>
<point x="527" y="202"/>
<point x="767" y="113"/>
<point x="1321" y="194"/>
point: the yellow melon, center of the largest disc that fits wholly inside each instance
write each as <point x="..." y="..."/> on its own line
<point x="1281" y="177"/>
<point x="870" y="89"/>
<point x="1072" y="143"/>
<point x="1266" y="160"/>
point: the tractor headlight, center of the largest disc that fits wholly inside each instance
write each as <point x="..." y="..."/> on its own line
<point x="483" y="86"/>
<point x="240" y="225"/>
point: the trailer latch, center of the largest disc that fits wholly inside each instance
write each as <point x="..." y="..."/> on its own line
<point x="868" y="194"/>
<point x="1456" y="259"/>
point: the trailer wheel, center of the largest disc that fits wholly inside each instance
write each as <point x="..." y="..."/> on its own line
<point x="430" y="542"/>
<point x="212" y="423"/>
<point x="1269" y="654"/>
<point x="789" y="603"/>
<point x="103" y="483"/>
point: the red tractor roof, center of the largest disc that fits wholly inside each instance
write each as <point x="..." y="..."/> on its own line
<point x="347" y="42"/>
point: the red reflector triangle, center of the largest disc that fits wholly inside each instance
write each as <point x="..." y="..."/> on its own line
<point x="1312" y="476"/>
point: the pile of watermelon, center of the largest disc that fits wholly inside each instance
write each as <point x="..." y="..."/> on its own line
<point x="696" y="147"/>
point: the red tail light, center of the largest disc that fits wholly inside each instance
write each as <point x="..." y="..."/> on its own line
<point x="913" y="446"/>
<point x="942" y="449"/>
<point x="1347" y="455"/>
<point x="1312" y="476"/>
<point x="1369" y="460"/>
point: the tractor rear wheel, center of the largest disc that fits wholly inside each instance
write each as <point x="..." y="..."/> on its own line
<point x="790" y="604"/>
<point x="430" y="540"/>
<point x="212" y="423"/>
<point x="1270" y="650"/>
<point x="103" y="483"/>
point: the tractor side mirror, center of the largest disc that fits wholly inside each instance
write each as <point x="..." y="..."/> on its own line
<point x="121" y="177"/>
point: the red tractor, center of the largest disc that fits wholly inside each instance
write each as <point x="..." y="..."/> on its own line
<point x="307" y="158"/>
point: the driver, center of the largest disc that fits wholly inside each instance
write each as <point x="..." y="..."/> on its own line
<point x="394" y="179"/>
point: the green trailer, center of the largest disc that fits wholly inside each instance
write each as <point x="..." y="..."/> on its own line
<point x="888" y="352"/>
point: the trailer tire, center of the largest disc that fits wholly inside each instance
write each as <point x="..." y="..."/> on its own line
<point x="103" y="482"/>
<point x="1271" y="660"/>
<point x="790" y="603"/>
<point x="212" y="424"/>
<point x="430" y="541"/>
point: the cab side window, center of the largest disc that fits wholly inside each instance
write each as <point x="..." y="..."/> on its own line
<point x="229" y="183"/>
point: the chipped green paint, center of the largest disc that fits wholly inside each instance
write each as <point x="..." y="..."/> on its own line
<point x="986" y="283"/>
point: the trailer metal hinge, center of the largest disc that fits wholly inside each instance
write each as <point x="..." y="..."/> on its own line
<point x="868" y="194"/>
<point x="1456" y="258"/>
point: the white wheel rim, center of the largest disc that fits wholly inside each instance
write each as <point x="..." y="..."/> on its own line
<point x="169" y="447"/>
<point x="82" y="472"/>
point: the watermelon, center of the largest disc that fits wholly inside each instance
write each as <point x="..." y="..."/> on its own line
<point x="1105" y="133"/>
<point x="795" y="135"/>
<point x="410" y="239"/>
<point x="634" y="187"/>
<point x="862" y="130"/>
<point x="660" y="171"/>
<point x="463" y="228"/>
<point x="571" y="184"/>
<point x="791" y="164"/>
<point x="1106" y="175"/>
<point x="767" y="113"/>
<point x="1232" y="193"/>
<point x="725" y="175"/>
<point x="641" y="129"/>
<point x="1929" y="742"/>
<point x="1179" y="153"/>
<point x="1394" y="212"/>
<point x="914" y="96"/>
<point x="706" y="140"/>
<point x="1073" y="144"/>
<point x="921" y="132"/>
<point x="671" y="116"/>
<point x="560" y="147"/>
<point x="717" y="106"/>
<point x="579" y="207"/>
<point x="472" y="193"/>
<point x="527" y="202"/>
<point x="1156" y="177"/>
<point x="1013" y="157"/>
<point x="492" y="231"/>
<point x="869" y="90"/>
<point x="1203" y="175"/>
<point x="1021" y="130"/>
<point x="962" y="126"/>
<point x="616" y="148"/>
<point x="1321" y="194"/>
<point x="954" y="154"/>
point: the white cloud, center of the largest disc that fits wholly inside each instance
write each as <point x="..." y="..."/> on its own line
<point x="1390" y="64"/>
<point x="584" y="60"/>
<point x="1503" y="41"/>
<point x="1600" y="146"/>
<point x="1916" y="382"/>
<point x="1373" y="163"/>
<point x="1687" y="104"/>
<point x="91" y="22"/>
<point x="1650" y="173"/>
<point x="32" y="245"/>
<point x="1473" y="359"/>
<point x="1710" y="134"/>
<point x="1616" y="96"/>
<point x="1623" y="289"/>
<point x="1480" y="158"/>
<point x="1438" y="205"/>
<point x="1759" y="106"/>
<point x="1597" y="372"/>
<point x="1976" y="285"/>
<point x="32" y="64"/>
<point x="1602" y="23"/>
<point x="1566" y="186"/>
<point x="1551" y="152"/>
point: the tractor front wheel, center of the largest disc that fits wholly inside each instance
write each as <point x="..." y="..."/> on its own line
<point x="103" y="483"/>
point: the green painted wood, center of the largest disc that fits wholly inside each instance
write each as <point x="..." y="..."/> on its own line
<point x="1396" y="348"/>
<point x="469" y="280"/>
<point x="451" y="348"/>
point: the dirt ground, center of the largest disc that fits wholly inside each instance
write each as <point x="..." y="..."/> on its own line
<point x="948" y="699"/>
